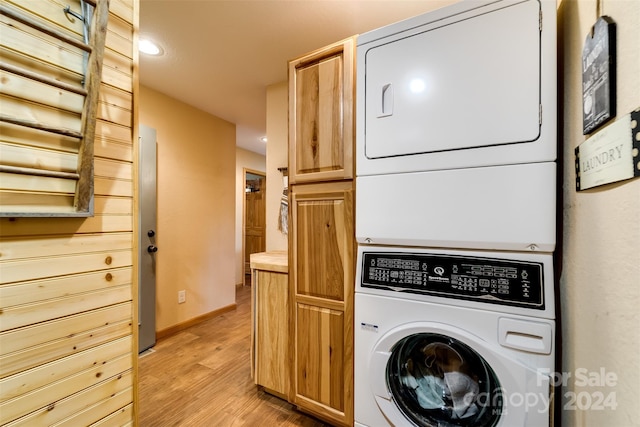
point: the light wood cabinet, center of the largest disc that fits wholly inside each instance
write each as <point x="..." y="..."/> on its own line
<point x="270" y="316"/>
<point x="321" y="231"/>
<point x="322" y="280"/>
<point x="321" y="100"/>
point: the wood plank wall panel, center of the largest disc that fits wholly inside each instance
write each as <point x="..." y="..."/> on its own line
<point x="46" y="397"/>
<point x="112" y="141"/>
<point x="49" y="10"/>
<point x="44" y="49"/>
<point x="67" y="287"/>
<point x="14" y="86"/>
<point x="23" y="137"/>
<point x="96" y="224"/>
<point x="67" y="409"/>
<point x="64" y="331"/>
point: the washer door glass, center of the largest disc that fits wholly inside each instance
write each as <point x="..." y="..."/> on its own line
<point x="437" y="380"/>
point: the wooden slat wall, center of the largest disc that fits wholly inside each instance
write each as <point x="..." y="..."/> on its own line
<point x="67" y="285"/>
<point x="52" y="179"/>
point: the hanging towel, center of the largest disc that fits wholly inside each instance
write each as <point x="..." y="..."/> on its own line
<point x="283" y="224"/>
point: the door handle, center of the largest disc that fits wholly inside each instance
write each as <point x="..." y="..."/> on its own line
<point x="386" y="105"/>
<point x="152" y="249"/>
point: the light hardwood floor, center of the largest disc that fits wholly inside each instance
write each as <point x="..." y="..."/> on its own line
<point x="202" y="377"/>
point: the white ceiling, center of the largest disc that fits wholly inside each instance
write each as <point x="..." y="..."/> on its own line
<point x="220" y="55"/>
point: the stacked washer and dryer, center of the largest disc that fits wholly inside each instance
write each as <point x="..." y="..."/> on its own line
<point x="456" y="217"/>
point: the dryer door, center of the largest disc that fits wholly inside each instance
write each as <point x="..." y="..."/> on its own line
<point x="466" y="84"/>
<point x="472" y="84"/>
<point x="437" y="376"/>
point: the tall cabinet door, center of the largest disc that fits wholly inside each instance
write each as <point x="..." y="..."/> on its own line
<point x="321" y="93"/>
<point x="321" y="287"/>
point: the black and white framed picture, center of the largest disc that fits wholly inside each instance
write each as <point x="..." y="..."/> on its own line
<point x="599" y="75"/>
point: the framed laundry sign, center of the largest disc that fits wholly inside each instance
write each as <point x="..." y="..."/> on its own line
<point x="611" y="155"/>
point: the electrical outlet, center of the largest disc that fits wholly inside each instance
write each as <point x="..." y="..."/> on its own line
<point x="182" y="296"/>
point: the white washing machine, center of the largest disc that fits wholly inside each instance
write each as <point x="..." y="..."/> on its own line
<point x="453" y="338"/>
<point x="456" y="217"/>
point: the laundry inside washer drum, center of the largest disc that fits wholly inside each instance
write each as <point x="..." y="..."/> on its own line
<point x="436" y="380"/>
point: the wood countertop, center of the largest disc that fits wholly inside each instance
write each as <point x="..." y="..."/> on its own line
<point x="277" y="261"/>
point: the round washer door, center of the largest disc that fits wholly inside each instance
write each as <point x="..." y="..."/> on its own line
<point x="435" y="376"/>
<point x="436" y="380"/>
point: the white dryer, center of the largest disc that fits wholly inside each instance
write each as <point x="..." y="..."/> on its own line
<point x="453" y="338"/>
<point x="468" y="85"/>
<point x="456" y="128"/>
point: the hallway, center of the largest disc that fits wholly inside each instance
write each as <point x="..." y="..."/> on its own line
<point x="202" y="377"/>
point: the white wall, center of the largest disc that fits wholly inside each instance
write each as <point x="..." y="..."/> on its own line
<point x="277" y="157"/>
<point x="600" y="283"/>
<point x="245" y="159"/>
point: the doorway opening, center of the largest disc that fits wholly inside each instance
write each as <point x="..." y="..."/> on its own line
<point x="254" y="221"/>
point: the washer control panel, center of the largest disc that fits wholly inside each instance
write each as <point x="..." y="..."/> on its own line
<point x="498" y="281"/>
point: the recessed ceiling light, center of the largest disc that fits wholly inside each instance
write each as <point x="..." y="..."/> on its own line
<point x="263" y="139"/>
<point x="149" y="47"/>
